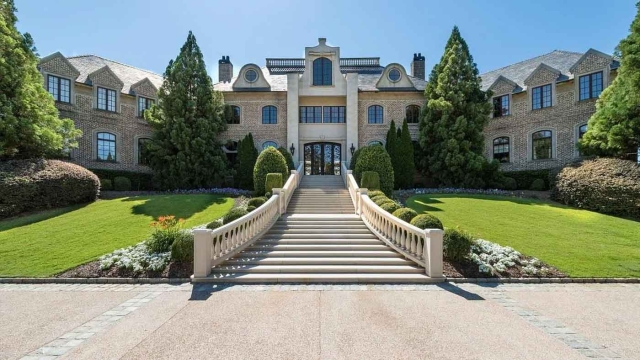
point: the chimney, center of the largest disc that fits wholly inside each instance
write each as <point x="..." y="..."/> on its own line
<point x="225" y="69"/>
<point x="322" y="41"/>
<point x="417" y="66"/>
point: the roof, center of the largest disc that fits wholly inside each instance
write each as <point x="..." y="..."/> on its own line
<point x="129" y="75"/>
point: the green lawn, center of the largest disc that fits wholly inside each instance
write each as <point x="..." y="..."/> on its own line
<point x="47" y="243"/>
<point x="580" y="243"/>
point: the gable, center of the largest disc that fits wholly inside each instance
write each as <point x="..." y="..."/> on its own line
<point x="387" y="83"/>
<point x="543" y="74"/>
<point x="145" y="88"/>
<point x="502" y="86"/>
<point x="104" y="76"/>
<point x="592" y="60"/>
<point x="57" y="64"/>
<point x="242" y="81"/>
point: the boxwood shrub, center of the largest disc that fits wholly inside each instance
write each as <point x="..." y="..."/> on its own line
<point x="30" y="185"/>
<point x="273" y="181"/>
<point x="250" y="208"/>
<point x="370" y="180"/>
<point x="269" y="161"/>
<point x="214" y="224"/>
<point x="427" y="221"/>
<point x="390" y="207"/>
<point x="234" y="214"/>
<point x="457" y="244"/>
<point x="525" y="178"/>
<point x="257" y="201"/>
<point x="375" y="158"/>
<point x="288" y="158"/>
<point x="381" y="200"/>
<point x="121" y="183"/>
<point x="405" y="214"/>
<point x="106" y="185"/>
<point x="139" y="181"/>
<point x="182" y="248"/>
<point x="374" y="193"/>
<point x="538" y="185"/>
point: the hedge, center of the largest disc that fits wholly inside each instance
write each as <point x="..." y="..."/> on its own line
<point x="269" y="161"/>
<point x="427" y="221"/>
<point x="370" y="180"/>
<point x="287" y="157"/>
<point x="273" y="181"/>
<point x="106" y="185"/>
<point x="121" y="183"/>
<point x="375" y="158"/>
<point x="139" y="181"/>
<point x="525" y="178"/>
<point x="30" y="185"/>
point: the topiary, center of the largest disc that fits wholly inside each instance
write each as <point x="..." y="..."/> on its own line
<point x="537" y="185"/>
<point x="214" y="224"/>
<point x="269" y="161"/>
<point x="457" y="244"/>
<point x="381" y="200"/>
<point x="405" y="214"/>
<point x="375" y="158"/>
<point x="106" y="184"/>
<point x="427" y="221"/>
<point x="370" y="180"/>
<point x="234" y="214"/>
<point x="182" y="248"/>
<point x="267" y="195"/>
<point x="509" y="183"/>
<point x="288" y="158"/>
<point x="257" y="201"/>
<point x="273" y="181"/>
<point x="376" y="197"/>
<point x="390" y="207"/>
<point x="374" y="193"/>
<point x="250" y="208"/>
<point x="354" y="160"/>
<point x="121" y="183"/>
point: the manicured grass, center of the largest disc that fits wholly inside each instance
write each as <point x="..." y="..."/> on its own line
<point x="578" y="242"/>
<point x="50" y="242"/>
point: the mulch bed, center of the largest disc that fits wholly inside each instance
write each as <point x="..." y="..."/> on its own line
<point x="92" y="269"/>
<point x="469" y="269"/>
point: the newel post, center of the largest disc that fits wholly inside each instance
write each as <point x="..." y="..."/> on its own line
<point x="279" y="192"/>
<point x="202" y="245"/>
<point x="432" y="253"/>
<point x="363" y="191"/>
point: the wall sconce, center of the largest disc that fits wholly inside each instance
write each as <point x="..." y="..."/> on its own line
<point x="292" y="149"/>
<point x="353" y="149"/>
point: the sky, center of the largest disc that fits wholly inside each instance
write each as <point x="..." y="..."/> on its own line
<point x="147" y="34"/>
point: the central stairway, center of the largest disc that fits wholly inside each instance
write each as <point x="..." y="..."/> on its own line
<point x="319" y="240"/>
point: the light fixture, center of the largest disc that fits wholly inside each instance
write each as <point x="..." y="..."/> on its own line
<point x="292" y="149"/>
<point x="353" y="149"/>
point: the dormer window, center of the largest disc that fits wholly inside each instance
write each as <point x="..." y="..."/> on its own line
<point x="394" y="75"/>
<point x="144" y="104"/>
<point x="59" y="88"/>
<point x="322" y="69"/>
<point x="106" y="99"/>
<point x="500" y="106"/>
<point x="250" y="75"/>
<point x="541" y="97"/>
<point x="590" y="86"/>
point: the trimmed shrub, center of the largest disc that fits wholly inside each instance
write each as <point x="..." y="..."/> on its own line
<point x="30" y="185"/>
<point x="375" y="158"/>
<point x="247" y="156"/>
<point x="269" y="161"/>
<point x="273" y="181"/>
<point x="370" y="180"/>
<point x="457" y="244"/>
<point x="378" y="196"/>
<point x="256" y="202"/>
<point x="106" y="184"/>
<point x="374" y="193"/>
<point x="214" y="225"/>
<point x="525" y="178"/>
<point x="509" y="183"/>
<point x="538" y="185"/>
<point x="121" y="183"/>
<point x="427" y="221"/>
<point x="381" y="200"/>
<point x="139" y="181"/>
<point x="609" y="186"/>
<point x="288" y="158"/>
<point x="267" y="195"/>
<point x="250" y="208"/>
<point x="234" y="214"/>
<point x="390" y="207"/>
<point x="405" y="214"/>
<point x="354" y="160"/>
<point x="167" y="230"/>
<point x="182" y="248"/>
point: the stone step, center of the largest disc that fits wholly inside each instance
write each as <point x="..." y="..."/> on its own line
<point x="276" y="231"/>
<point x="317" y="247"/>
<point x="320" y="278"/>
<point x="367" y="235"/>
<point x="317" y="260"/>
<point x="320" y="253"/>
<point x="320" y="241"/>
<point x="320" y="226"/>
<point x="331" y="269"/>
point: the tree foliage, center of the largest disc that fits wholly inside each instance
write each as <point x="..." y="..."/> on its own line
<point x="404" y="168"/>
<point x="185" y="151"/>
<point x="29" y="122"/>
<point x="247" y="156"/>
<point x="269" y="161"/>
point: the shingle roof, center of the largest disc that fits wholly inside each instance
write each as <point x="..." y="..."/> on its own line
<point x="86" y="64"/>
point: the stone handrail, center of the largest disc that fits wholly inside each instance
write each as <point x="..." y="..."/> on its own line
<point x="351" y="185"/>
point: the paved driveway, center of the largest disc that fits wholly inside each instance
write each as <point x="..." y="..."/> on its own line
<point x="569" y="321"/>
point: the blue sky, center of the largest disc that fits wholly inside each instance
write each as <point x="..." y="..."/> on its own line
<point x="147" y="34"/>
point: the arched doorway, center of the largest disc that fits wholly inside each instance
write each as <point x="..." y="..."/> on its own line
<point x="322" y="158"/>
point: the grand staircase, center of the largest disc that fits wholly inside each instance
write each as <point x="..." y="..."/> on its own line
<point x="319" y="240"/>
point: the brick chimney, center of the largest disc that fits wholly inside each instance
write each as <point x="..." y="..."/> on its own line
<point x="417" y="66"/>
<point x="225" y="69"/>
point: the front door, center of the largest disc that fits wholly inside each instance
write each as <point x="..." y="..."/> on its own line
<point x="322" y="158"/>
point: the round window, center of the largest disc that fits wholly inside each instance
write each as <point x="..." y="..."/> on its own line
<point x="394" y="75"/>
<point x="250" y="75"/>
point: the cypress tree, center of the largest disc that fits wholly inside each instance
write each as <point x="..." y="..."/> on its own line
<point x="29" y="122"/>
<point x="451" y="123"/>
<point x="185" y="151"/>
<point x="404" y="151"/>
<point x="392" y="146"/>
<point x="247" y="156"/>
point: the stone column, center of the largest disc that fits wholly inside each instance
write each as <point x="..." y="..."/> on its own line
<point x="292" y="116"/>
<point x="352" y="114"/>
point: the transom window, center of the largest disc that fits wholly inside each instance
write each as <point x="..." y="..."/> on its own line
<point x="106" y="99"/>
<point x="234" y="115"/>
<point x="501" y="150"/>
<point x="269" y="115"/>
<point x="375" y="114"/>
<point x="412" y="114"/>
<point x="394" y="75"/>
<point x="590" y="86"/>
<point x="266" y="144"/>
<point x="106" y="146"/>
<point x="250" y="75"/>
<point x="334" y="114"/>
<point x="375" y="142"/>
<point x="144" y="104"/>
<point x="59" y="88"/>
<point x="311" y="114"/>
<point x="541" y="97"/>
<point x="542" y="145"/>
<point x="142" y="159"/>
<point x="501" y="106"/>
<point x="322" y="71"/>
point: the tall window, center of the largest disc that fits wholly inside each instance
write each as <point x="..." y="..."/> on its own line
<point x="501" y="151"/>
<point x="106" y="146"/>
<point x="501" y="106"/>
<point x="334" y="114"/>
<point x="581" y="131"/>
<point x="233" y="115"/>
<point x="60" y="88"/>
<point x="322" y="71"/>
<point x="541" y="97"/>
<point x="311" y="114"/>
<point x="143" y="105"/>
<point x="269" y="115"/>
<point x="266" y="144"/>
<point x="106" y="99"/>
<point x="412" y="113"/>
<point x="590" y="86"/>
<point x="375" y="114"/>
<point x="142" y="158"/>
<point x="542" y="145"/>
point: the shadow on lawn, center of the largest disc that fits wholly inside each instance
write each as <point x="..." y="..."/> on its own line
<point x="32" y="218"/>
<point x="181" y="206"/>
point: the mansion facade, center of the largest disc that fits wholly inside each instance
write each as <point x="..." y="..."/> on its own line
<point x="323" y="107"/>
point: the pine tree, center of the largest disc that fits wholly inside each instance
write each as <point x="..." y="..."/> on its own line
<point x="29" y="122"/>
<point x="392" y="147"/>
<point x="247" y="156"/>
<point x="404" y="152"/>
<point x="185" y="151"/>
<point x="452" y="121"/>
<point x="614" y="129"/>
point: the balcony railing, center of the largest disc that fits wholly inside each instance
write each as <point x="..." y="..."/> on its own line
<point x="347" y="65"/>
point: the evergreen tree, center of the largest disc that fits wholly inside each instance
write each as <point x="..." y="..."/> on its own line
<point x="614" y="129"/>
<point x="29" y="122"/>
<point x="184" y="151"/>
<point x="452" y="121"/>
<point x="392" y="147"/>
<point x="247" y="156"/>
<point x="404" y="152"/>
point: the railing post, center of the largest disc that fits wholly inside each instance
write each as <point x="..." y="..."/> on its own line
<point x="433" y="252"/>
<point x="363" y="191"/>
<point x="202" y="244"/>
<point x="279" y="192"/>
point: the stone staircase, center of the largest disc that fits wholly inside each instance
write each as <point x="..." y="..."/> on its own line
<point x="319" y="240"/>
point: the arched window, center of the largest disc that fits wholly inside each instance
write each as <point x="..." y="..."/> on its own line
<point x="501" y="150"/>
<point x="233" y="114"/>
<point x="412" y="114"/>
<point x="375" y="142"/>
<point x="375" y="114"/>
<point x="266" y="144"/>
<point x="542" y="145"/>
<point x="581" y="131"/>
<point x="142" y="158"/>
<point x="106" y="146"/>
<point x="322" y="71"/>
<point x="269" y="115"/>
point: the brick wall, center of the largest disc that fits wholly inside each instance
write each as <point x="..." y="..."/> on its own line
<point x="394" y="106"/>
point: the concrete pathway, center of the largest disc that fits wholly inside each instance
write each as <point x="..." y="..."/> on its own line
<point x="511" y="321"/>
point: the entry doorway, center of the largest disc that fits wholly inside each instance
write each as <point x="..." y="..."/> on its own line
<point x="322" y="158"/>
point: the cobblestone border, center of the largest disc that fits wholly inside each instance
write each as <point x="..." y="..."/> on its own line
<point x="94" y="280"/>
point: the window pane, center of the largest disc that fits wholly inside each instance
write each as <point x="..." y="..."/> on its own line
<point x="501" y="149"/>
<point x="111" y="100"/>
<point x="266" y="144"/>
<point x="536" y="98"/>
<point x="413" y="114"/>
<point x="53" y="86"/>
<point x="546" y="96"/>
<point x="582" y="130"/>
<point x="542" y="145"/>
<point x="102" y="99"/>
<point x="584" y="87"/>
<point x="596" y="84"/>
<point x="106" y="147"/>
<point x="322" y="71"/>
<point x="505" y="105"/>
<point x="65" y="90"/>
